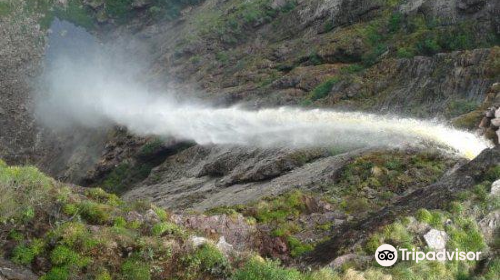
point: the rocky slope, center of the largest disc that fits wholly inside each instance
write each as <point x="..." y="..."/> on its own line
<point x="413" y="57"/>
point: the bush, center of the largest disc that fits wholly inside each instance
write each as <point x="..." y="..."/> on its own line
<point x="424" y="216"/>
<point x="23" y="189"/>
<point x="119" y="9"/>
<point x="23" y="255"/>
<point x="395" y="22"/>
<point x="57" y="273"/>
<point x="298" y="248"/>
<point x="135" y="270"/>
<point x="95" y="212"/>
<point x="323" y="89"/>
<point x="257" y="269"/>
<point x="64" y="256"/>
<point x="211" y="261"/>
<point x="461" y="107"/>
<point x="165" y="228"/>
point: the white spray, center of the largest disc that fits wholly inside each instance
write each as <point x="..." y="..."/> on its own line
<point x="90" y="92"/>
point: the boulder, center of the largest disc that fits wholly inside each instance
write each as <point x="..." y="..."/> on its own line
<point x="495" y="188"/>
<point x="197" y="241"/>
<point x="436" y="239"/>
<point x="151" y="217"/>
<point x="134" y="216"/>
<point x="495" y="122"/>
<point x="224" y="247"/>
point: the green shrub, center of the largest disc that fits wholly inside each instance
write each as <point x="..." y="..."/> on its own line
<point x="154" y="145"/>
<point x="461" y="107"/>
<point x="424" y="216"/>
<point x="405" y="53"/>
<point x="119" y="9"/>
<point x="395" y="22"/>
<point x="23" y="254"/>
<point x="165" y="228"/>
<point x="93" y="212"/>
<point x="351" y="69"/>
<point x="256" y="269"/>
<point x="289" y="6"/>
<point x="57" y="273"/>
<point x="64" y="256"/>
<point x="298" y="248"/>
<point x="428" y="46"/>
<point x="493" y="174"/>
<point x="323" y="89"/>
<point x="70" y="209"/>
<point x="135" y="270"/>
<point x="465" y="236"/>
<point x="23" y="190"/>
<point x="211" y="261"/>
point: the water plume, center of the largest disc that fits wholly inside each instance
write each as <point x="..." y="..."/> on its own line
<point x="96" y="91"/>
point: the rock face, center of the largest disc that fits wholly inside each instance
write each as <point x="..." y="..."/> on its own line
<point x="490" y="123"/>
<point x="20" y="55"/>
<point x="11" y="271"/>
<point x="206" y="177"/>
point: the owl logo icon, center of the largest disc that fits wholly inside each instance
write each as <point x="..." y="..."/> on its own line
<point x="386" y="255"/>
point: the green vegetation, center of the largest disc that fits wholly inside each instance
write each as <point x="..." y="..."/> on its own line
<point x="85" y="234"/>
<point x="169" y="10"/>
<point x="76" y="13"/>
<point x="279" y="213"/>
<point x="124" y="175"/>
<point x="206" y="260"/>
<point x="135" y="270"/>
<point x="5" y="8"/>
<point x="323" y="89"/>
<point x="383" y="176"/>
<point x="461" y="107"/>
<point x="234" y="19"/>
<point x="257" y="269"/>
<point x="166" y="228"/>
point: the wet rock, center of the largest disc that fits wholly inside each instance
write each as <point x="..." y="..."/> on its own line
<point x="436" y="239"/>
